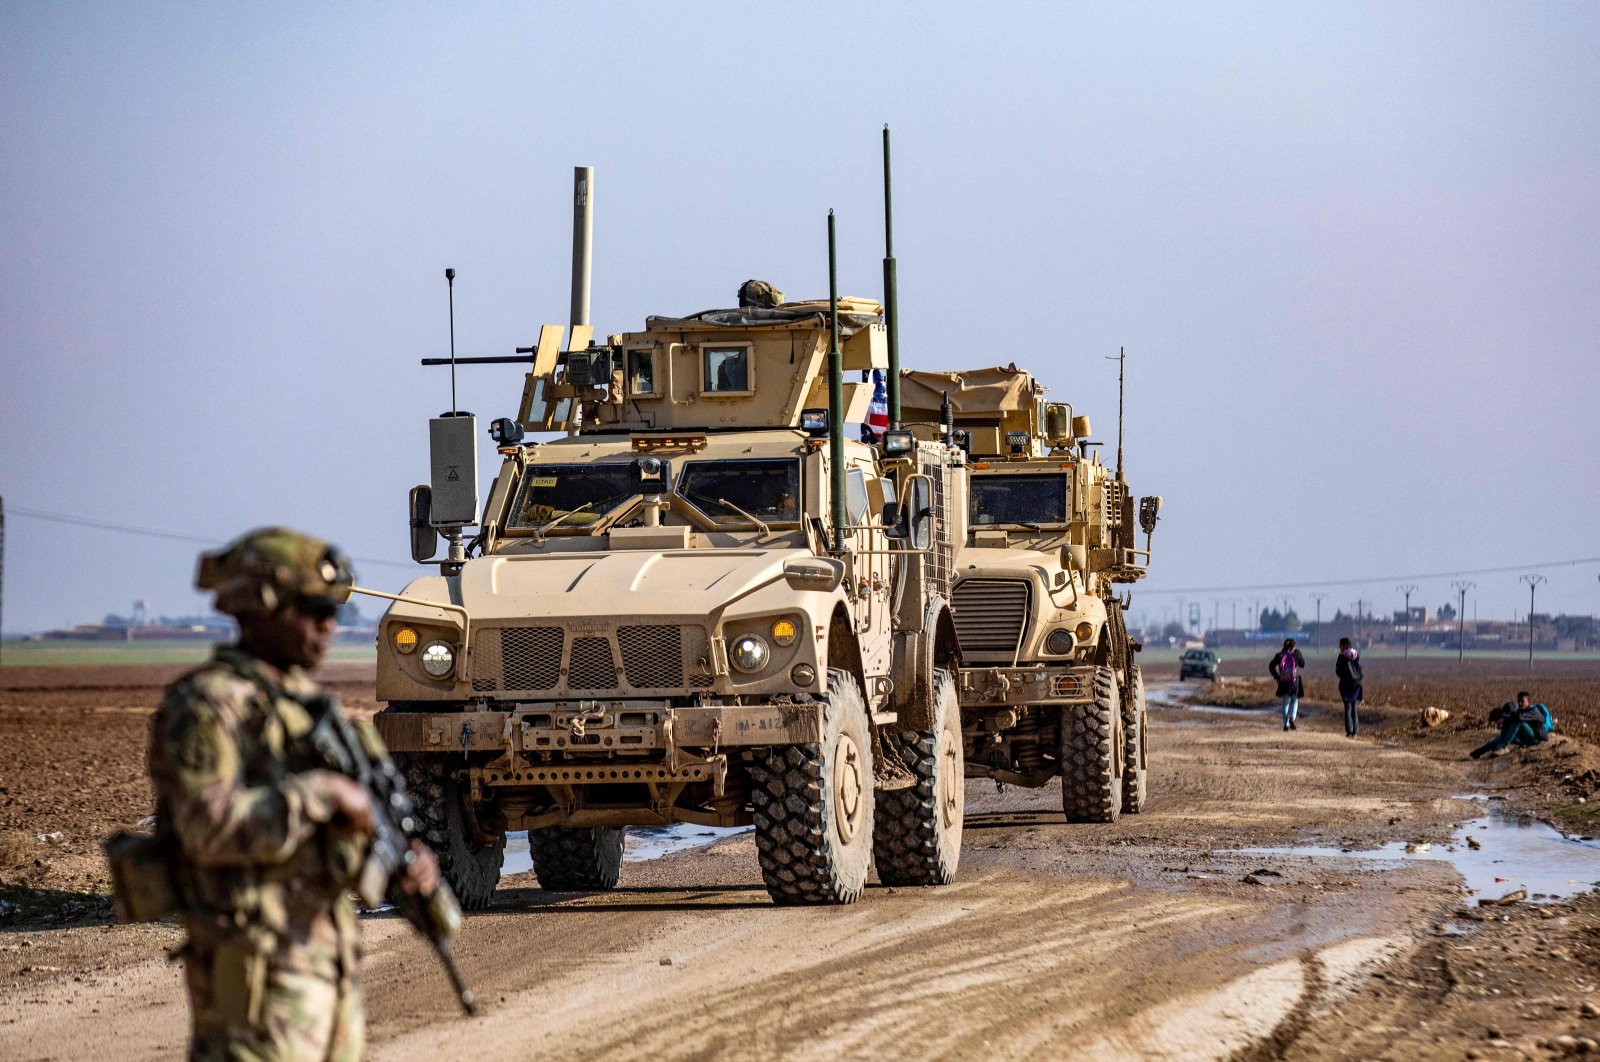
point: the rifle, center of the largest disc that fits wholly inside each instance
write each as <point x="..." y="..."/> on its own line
<point x="438" y="917"/>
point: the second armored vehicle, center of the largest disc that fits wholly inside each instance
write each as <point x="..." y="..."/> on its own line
<point x="1050" y="683"/>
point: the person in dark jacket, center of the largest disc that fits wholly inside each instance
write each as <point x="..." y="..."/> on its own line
<point x="1286" y="667"/>
<point x="1521" y="723"/>
<point x="1348" y="667"/>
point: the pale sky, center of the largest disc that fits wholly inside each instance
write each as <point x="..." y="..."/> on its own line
<point x="1351" y="250"/>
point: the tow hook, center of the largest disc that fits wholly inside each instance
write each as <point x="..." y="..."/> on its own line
<point x="592" y="712"/>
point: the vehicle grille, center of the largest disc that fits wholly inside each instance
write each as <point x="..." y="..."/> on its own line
<point x="991" y="613"/>
<point x="517" y="658"/>
<point x="652" y="656"/>
<point x="592" y="667"/>
<point x="656" y="659"/>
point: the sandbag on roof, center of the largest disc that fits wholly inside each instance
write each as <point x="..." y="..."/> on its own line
<point x="970" y="390"/>
<point x="854" y="315"/>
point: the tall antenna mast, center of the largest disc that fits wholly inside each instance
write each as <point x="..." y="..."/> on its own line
<point x="450" y="280"/>
<point x="891" y="293"/>
<point x="1122" y="361"/>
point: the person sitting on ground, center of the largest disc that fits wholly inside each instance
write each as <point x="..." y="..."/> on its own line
<point x="1521" y="723"/>
<point x="1286" y="667"/>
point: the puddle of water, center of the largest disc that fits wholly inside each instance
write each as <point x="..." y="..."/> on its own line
<point x="1512" y="855"/>
<point x="643" y="842"/>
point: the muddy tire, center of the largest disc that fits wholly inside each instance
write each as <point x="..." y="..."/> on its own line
<point x="813" y="805"/>
<point x="1135" y="749"/>
<point x="916" y="839"/>
<point x="473" y="871"/>
<point x="1091" y="754"/>
<point x="577" y="858"/>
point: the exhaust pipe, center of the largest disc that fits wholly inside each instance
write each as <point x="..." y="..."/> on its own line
<point x="582" y="240"/>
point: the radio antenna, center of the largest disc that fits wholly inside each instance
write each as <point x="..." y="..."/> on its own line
<point x="450" y="280"/>
<point x="1122" y="360"/>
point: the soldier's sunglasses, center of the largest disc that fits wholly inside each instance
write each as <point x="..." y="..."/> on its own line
<point x="317" y="609"/>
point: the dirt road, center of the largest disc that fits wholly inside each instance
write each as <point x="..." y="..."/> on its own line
<point x="1150" y="938"/>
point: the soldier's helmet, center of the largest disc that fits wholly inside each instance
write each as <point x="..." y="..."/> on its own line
<point x="258" y="571"/>
<point x="759" y="294"/>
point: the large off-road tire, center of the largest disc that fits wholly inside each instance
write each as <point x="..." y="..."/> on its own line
<point x="473" y="871"/>
<point x="1091" y="754"/>
<point x="577" y="858"/>
<point x="813" y="805"/>
<point x="916" y="839"/>
<point x="1135" y="744"/>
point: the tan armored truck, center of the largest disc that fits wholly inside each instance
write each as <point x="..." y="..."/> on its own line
<point x="701" y="604"/>
<point x="1049" y="684"/>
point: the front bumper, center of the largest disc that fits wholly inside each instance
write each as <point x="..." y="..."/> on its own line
<point x="998" y="687"/>
<point x="628" y="729"/>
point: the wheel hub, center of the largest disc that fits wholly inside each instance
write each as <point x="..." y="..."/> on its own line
<point x="950" y="781"/>
<point x="848" y="787"/>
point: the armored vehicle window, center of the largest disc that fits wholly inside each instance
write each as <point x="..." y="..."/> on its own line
<point x="641" y="372"/>
<point x="768" y="490"/>
<point x="551" y="491"/>
<point x="855" y="495"/>
<point x="727" y="370"/>
<point x="1019" y="499"/>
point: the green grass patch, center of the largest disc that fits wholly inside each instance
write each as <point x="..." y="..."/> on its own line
<point x="89" y="654"/>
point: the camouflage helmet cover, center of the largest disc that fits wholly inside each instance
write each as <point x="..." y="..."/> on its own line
<point x="259" y="571"/>
<point x="759" y="294"/>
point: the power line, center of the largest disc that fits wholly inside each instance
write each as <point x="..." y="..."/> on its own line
<point x="151" y="532"/>
<point x="1375" y="578"/>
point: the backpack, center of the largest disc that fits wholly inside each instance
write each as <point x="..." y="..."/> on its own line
<point x="1547" y="722"/>
<point x="1288" y="670"/>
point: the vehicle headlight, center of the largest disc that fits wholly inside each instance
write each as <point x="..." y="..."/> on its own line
<point x="784" y="632"/>
<point x="438" y="659"/>
<point x="405" y="639"/>
<point x="749" y="653"/>
<point x="1059" y="642"/>
<point x="1085" y="631"/>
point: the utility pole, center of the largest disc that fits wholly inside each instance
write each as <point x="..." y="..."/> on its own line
<point x="1408" y="589"/>
<point x="1317" y="597"/>
<point x="1461" y="587"/>
<point x="1235" y="621"/>
<point x="1533" y="582"/>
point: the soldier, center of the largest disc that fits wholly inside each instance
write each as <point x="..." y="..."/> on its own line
<point x="267" y="849"/>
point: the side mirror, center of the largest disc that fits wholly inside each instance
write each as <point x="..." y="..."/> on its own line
<point x="891" y="519"/>
<point x="916" y="516"/>
<point x="424" y="539"/>
<point x="1149" y="513"/>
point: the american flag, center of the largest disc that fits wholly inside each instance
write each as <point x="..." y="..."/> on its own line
<point x="877" y="421"/>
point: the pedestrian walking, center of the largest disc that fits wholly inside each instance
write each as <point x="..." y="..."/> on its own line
<point x="1286" y="667"/>
<point x="1348" y="667"/>
<point x="265" y="851"/>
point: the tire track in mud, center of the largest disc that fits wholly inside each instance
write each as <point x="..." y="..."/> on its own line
<point x="1001" y="965"/>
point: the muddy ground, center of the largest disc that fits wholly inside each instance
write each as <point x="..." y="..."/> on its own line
<point x="1148" y="938"/>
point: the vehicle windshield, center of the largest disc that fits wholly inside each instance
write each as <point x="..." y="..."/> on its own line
<point x="768" y="490"/>
<point x="1025" y="500"/>
<point x="550" y="492"/>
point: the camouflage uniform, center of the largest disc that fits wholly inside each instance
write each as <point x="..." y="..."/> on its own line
<point x="274" y="945"/>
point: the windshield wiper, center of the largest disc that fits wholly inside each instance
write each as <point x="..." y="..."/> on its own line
<point x="538" y="532"/>
<point x="725" y="503"/>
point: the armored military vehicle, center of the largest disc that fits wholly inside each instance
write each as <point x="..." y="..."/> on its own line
<point x="1050" y="684"/>
<point x="699" y="603"/>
